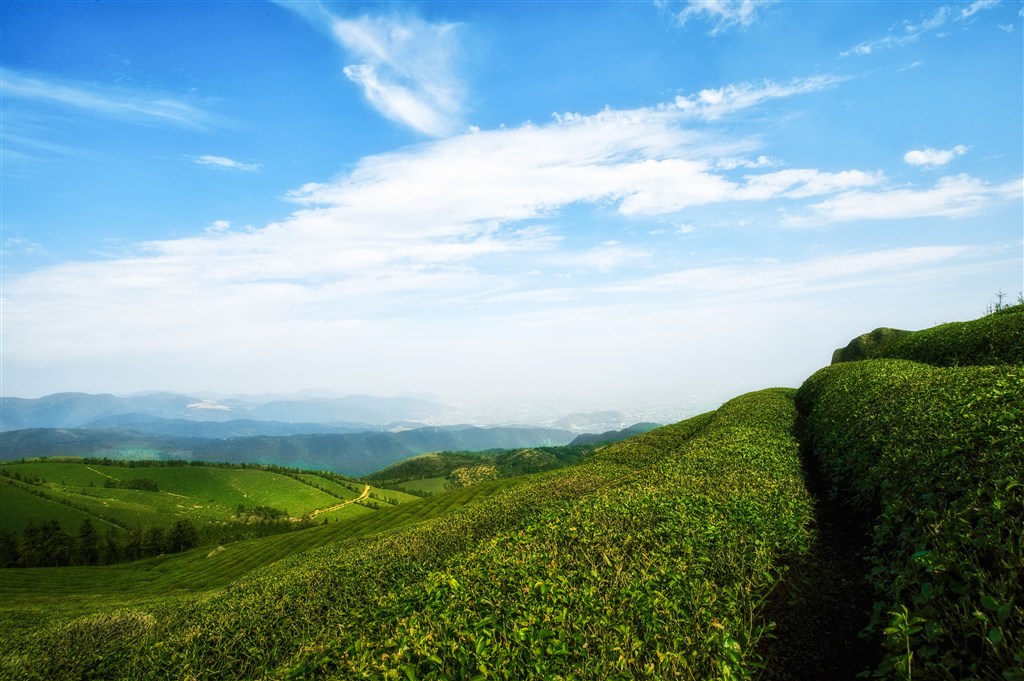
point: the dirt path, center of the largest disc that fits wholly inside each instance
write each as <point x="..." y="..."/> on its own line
<point x="365" y="493"/>
<point x="90" y="468"/>
<point x="825" y="601"/>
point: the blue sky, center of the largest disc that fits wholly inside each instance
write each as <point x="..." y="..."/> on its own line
<point x="647" y="205"/>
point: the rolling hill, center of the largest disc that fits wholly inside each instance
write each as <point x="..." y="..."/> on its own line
<point x="727" y="546"/>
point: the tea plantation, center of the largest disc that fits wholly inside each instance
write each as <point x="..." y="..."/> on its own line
<point x="689" y="552"/>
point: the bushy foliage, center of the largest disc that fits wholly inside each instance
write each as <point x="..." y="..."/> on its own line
<point x="504" y="463"/>
<point x="936" y="457"/>
<point x="652" y="559"/>
<point x="997" y="338"/>
<point x="868" y="345"/>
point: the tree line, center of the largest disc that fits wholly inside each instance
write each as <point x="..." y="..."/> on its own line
<point x="48" y="544"/>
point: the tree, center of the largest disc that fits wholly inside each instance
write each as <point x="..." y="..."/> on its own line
<point x="31" y="550"/>
<point x="8" y="549"/>
<point x="111" y="548"/>
<point x="58" y="545"/>
<point x="88" y="544"/>
<point x="133" y="545"/>
<point x="154" y="541"/>
<point x="184" y="536"/>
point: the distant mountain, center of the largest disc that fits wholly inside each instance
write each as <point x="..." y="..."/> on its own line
<point x="591" y="421"/>
<point x="360" y="408"/>
<point x="615" y="435"/>
<point x="78" y="410"/>
<point x="154" y="425"/>
<point x="347" y="453"/>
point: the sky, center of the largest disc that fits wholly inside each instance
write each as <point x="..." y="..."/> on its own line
<point x="553" y="206"/>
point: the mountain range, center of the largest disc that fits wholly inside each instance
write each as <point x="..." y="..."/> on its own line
<point x="352" y="454"/>
<point x="354" y="434"/>
<point x="145" y="412"/>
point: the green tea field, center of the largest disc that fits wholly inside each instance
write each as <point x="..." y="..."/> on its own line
<point x="868" y="523"/>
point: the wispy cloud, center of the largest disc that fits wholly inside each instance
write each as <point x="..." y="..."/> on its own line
<point x="226" y="163"/>
<point x="723" y="15"/>
<point x="934" y="157"/>
<point x="408" y="67"/>
<point x="910" y="32"/>
<point x="20" y="245"/>
<point x="977" y="6"/>
<point x="711" y="104"/>
<point x="763" y="279"/>
<point x="129" y="105"/>
<point x="952" y="197"/>
<point x="801" y="183"/>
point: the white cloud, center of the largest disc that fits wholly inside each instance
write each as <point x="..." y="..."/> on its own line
<point x="977" y="6"/>
<point x="219" y="227"/>
<point x="712" y="104"/>
<point x="223" y="162"/>
<point x="606" y="257"/>
<point x="910" y="32"/>
<point x="934" y="157"/>
<point x="761" y="161"/>
<point x="763" y="279"/>
<point x="723" y="14"/>
<point x="801" y="183"/>
<point x="120" y="103"/>
<point x="953" y="197"/>
<point x="19" y="245"/>
<point x="424" y="254"/>
<point x="408" y="67"/>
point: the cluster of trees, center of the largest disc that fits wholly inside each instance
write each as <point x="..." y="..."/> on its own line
<point x="259" y="514"/>
<point x="16" y="475"/>
<point x="49" y="545"/>
<point x="144" y="484"/>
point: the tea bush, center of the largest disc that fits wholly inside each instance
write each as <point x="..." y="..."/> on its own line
<point x="651" y="559"/>
<point x="997" y="338"/>
<point x="936" y="456"/>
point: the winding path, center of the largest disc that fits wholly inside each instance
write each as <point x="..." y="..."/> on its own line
<point x="365" y="493"/>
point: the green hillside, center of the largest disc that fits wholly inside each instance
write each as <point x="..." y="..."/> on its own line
<point x="95" y="512"/>
<point x="727" y="546"/>
<point x="203" y="493"/>
<point x="459" y="469"/>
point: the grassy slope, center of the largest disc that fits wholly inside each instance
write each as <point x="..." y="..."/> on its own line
<point x="436" y="485"/>
<point x="507" y="463"/>
<point x="651" y="559"/>
<point x="20" y="506"/>
<point x="31" y="598"/>
<point x="202" y="493"/>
